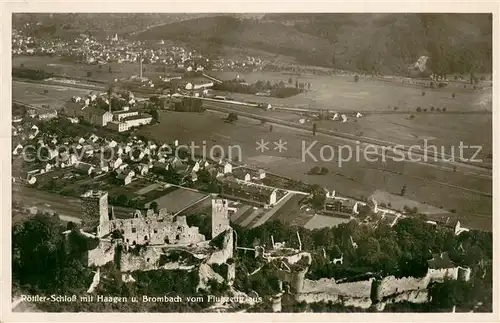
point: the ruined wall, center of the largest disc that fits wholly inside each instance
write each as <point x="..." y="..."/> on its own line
<point x="293" y="259"/>
<point x="358" y="289"/>
<point x="157" y="231"/>
<point x="295" y="279"/>
<point x="206" y="273"/>
<point x="220" y="216"/>
<point x="226" y="252"/>
<point x="94" y="207"/>
<point x="148" y="259"/>
<point x="391" y="285"/>
<point x="103" y="254"/>
<point x="439" y="275"/>
<point x="355" y="294"/>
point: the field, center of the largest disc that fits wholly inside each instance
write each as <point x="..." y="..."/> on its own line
<point x="62" y="67"/>
<point x="32" y="93"/>
<point x="425" y="184"/>
<point x="376" y="100"/>
<point x="341" y="93"/>
<point x="179" y="199"/>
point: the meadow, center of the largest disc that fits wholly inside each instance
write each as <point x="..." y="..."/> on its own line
<point x="427" y="184"/>
<point x="34" y="94"/>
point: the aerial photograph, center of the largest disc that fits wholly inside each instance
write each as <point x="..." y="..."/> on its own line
<point x="252" y="162"/>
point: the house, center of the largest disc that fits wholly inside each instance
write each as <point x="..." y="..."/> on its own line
<point x="139" y="120"/>
<point x="52" y="153"/>
<point x="122" y="167"/>
<point x="228" y="167"/>
<point x="159" y="166"/>
<point x="48" y="167"/>
<point x="177" y="164"/>
<point x="142" y="169"/>
<point x="242" y="175"/>
<point x="102" y="169"/>
<point x="120" y="115"/>
<point x="80" y="140"/>
<point x="194" y="176"/>
<point x="46" y="114"/>
<point x="85" y="168"/>
<point x="261" y="195"/>
<point x="97" y="116"/>
<point x="88" y="150"/>
<point x="93" y="138"/>
<point x="118" y="126"/>
<point x="112" y="144"/>
<point x="17" y="149"/>
<point x="31" y="180"/>
<point x="114" y="164"/>
<point x="125" y="178"/>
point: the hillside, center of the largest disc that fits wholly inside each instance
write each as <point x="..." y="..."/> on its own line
<point x="380" y="42"/>
<point x="387" y="43"/>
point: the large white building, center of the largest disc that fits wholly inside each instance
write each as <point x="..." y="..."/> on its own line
<point x="119" y="115"/>
<point x="138" y="120"/>
<point x="118" y="126"/>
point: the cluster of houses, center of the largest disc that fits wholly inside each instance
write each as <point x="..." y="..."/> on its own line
<point x="93" y="110"/>
<point x="113" y="49"/>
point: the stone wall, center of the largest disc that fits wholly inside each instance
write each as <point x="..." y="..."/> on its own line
<point x="226" y="252"/>
<point x="156" y="230"/>
<point x="103" y="254"/>
<point x="94" y="207"/>
<point x="220" y="216"/>
<point x="391" y="285"/>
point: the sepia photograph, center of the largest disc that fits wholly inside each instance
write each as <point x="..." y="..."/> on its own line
<point x="264" y="162"/>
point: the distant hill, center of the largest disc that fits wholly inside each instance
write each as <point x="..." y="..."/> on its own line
<point x="386" y="43"/>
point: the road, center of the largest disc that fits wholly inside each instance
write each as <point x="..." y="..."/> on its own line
<point x="65" y="206"/>
<point x="474" y="169"/>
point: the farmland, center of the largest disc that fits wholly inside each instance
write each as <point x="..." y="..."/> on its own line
<point x="71" y="69"/>
<point x="426" y="184"/>
<point x="341" y="93"/>
<point x="34" y="94"/>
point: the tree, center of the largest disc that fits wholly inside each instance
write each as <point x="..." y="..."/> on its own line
<point x="356" y="78"/>
<point x="444" y="109"/>
<point x="231" y="117"/>
<point x="270" y="128"/>
<point x="315" y="127"/>
<point x="403" y="190"/>
<point x="432" y="108"/>
<point x="296" y="84"/>
<point x="154" y="206"/>
<point x="154" y="115"/>
<point x="290" y="80"/>
<point x="318" y="197"/>
<point x="122" y="200"/>
<point x="419" y="109"/>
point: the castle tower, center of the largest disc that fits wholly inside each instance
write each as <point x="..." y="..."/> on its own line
<point x="220" y="217"/>
<point x="95" y="210"/>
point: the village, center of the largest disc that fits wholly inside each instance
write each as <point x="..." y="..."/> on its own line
<point x="136" y="159"/>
